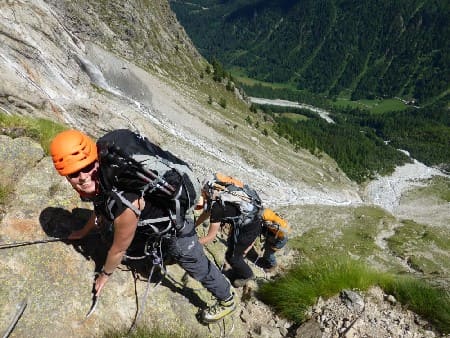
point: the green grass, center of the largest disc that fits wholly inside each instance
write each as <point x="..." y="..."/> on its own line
<point x="374" y="106"/>
<point x="294" y="117"/>
<point x="425" y="248"/>
<point x="294" y="293"/>
<point x="439" y="187"/>
<point x="354" y="233"/>
<point x="241" y="77"/>
<point x="40" y="130"/>
<point x="358" y="240"/>
<point x="418" y="296"/>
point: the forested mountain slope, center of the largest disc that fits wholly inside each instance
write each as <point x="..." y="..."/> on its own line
<point x="367" y="48"/>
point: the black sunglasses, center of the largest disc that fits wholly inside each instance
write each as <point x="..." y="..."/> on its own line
<point x="84" y="170"/>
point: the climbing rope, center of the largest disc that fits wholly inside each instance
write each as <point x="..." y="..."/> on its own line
<point x="17" y="244"/>
<point x="157" y="261"/>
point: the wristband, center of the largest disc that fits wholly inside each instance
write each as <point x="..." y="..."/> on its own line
<point x="106" y="273"/>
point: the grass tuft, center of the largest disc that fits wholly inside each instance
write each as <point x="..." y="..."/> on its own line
<point x="299" y="289"/>
<point x="418" y="296"/>
<point x="293" y="294"/>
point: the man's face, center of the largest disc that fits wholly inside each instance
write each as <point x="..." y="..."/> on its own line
<point x="84" y="181"/>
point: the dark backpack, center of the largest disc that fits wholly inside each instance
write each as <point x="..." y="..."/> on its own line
<point x="131" y="163"/>
<point x="227" y="189"/>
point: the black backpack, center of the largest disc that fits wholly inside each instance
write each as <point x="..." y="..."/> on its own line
<point x="227" y="189"/>
<point x="131" y="163"/>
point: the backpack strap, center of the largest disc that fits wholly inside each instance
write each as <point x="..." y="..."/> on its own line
<point x="179" y="220"/>
<point x="105" y="204"/>
<point x="178" y="223"/>
<point x="188" y="187"/>
<point x="119" y="198"/>
<point x="153" y="181"/>
<point x="155" y="230"/>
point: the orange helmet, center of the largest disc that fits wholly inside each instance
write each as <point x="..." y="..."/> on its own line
<point x="71" y="151"/>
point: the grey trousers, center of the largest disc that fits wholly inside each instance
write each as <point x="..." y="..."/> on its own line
<point x="189" y="254"/>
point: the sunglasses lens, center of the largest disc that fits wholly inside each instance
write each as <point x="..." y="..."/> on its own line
<point x="84" y="170"/>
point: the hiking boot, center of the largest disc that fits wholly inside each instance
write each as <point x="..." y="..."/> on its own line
<point x="266" y="265"/>
<point x="226" y="266"/>
<point x="219" y="310"/>
<point x="252" y="255"/>
<point x="270" y="269"/>
<point x="240" y="282"/>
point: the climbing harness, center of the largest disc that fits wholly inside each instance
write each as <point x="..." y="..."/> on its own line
<point x="155" y="253"/>
<point x="157" y="261"/>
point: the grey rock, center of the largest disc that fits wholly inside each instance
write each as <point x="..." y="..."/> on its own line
<point x="310" y="329"/>
<point x="352" y="300"/>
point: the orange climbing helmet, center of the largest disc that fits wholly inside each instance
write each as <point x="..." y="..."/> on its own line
<point x="71" y="151"/>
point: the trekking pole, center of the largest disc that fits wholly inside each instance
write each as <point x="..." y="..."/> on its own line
<point x="17" y="244"/>
<point x="116" y="154"/>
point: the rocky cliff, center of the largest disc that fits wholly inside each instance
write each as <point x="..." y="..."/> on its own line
<point x="96" y="66"/>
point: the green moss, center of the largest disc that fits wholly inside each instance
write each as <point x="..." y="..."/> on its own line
<point x="40" y="130"/>
<point x="98" y="89"/>
<point x="425" y="248"/>
<point x="355" y="234"/>
<point x="5" y="192"/>
<point x="439" y="187"/>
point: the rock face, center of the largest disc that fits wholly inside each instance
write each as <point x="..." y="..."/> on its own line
<point x="100" y="65"/>
<point x="71" y="62"/>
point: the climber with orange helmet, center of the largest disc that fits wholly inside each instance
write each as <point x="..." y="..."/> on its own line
<point x="86" y="167"/>
<point x="74" y="156"/>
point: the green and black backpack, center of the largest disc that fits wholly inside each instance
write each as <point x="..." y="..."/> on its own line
<point x="131" y="163"/>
